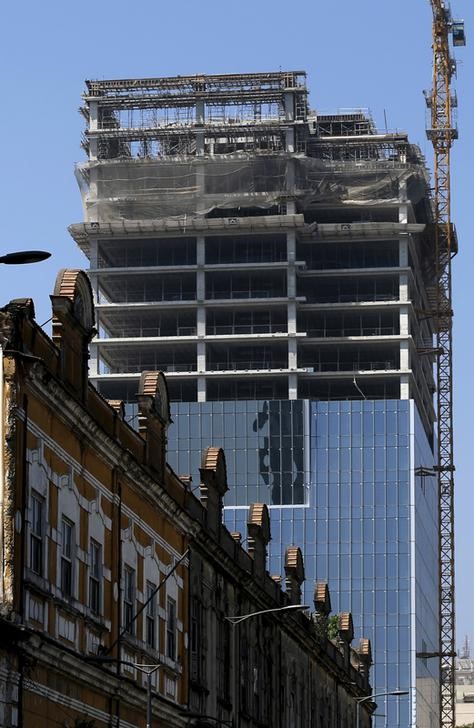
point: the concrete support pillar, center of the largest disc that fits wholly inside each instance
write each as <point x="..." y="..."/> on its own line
<point x="201" y="389"/>
<point x="404" y="386"/>
<point x="404" y="355"/>
<point x="292" y="354"/>
<point x="93" y="253"/>
<point x="200" y="119"/>
<point x="403" y="252"/>
<point x="289" y="104"/>
<point x="201" y="356"/>
<point x="200" y="261"/>
<point x="293" y="386"/>
<point x="201" y="321"/>
<point x="93" y="126"/>
<point x="292" y="317"/>
<point x="404" y="321"/>
<point x="200" y="250"/>
<point x="200" y="285"/>
<point x="404" y="292"/>
<point x="291" y="246"/>
<point x="291" y="281"/>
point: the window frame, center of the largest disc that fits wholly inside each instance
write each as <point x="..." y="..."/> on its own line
<point x="129" y="594"/>
<point x="171" y="626"/>
<point x="67" y="557"/>
<point x="95" y="576"/>
<point x="150" y="636"/>
<point x="36" y="560"/>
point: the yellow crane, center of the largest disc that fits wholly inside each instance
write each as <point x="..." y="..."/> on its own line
<point x="442" y="133"/>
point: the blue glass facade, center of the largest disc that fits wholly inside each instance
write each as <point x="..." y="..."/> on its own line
<point x="340" y="480"/>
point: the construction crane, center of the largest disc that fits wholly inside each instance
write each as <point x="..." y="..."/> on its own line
<point x="442" y="133"/>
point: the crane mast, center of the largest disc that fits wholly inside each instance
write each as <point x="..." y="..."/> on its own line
<point x="442" y="135"/>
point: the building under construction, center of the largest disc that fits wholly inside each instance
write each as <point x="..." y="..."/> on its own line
<point x="278" y="266"/>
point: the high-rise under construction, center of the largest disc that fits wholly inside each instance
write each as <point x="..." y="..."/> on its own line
<point x="277" y="265"/>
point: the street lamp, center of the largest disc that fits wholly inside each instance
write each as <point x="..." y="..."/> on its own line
<point x="359" y="701"/>
<point x="235" y="621"/>
<point x="147" y="670"/>
<point x="24" y="256"/>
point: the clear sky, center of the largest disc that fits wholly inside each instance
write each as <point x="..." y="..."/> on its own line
<point x="372" y="54"/>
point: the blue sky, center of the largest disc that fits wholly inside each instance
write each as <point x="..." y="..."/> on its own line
<point x="372" y="54"/>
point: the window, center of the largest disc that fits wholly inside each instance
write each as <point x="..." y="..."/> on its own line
<point x="95" y="555"/>
<point x="67" y="530"/>
<point x="36" y="534"/>
<point x="171" y="628"/>
<point x="150" y="621"/>
<point x="129" y="599"/>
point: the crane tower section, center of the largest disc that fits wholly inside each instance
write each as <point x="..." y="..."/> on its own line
<point x="442" y="133"/>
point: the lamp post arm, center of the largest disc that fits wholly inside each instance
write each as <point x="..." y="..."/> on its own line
<point x="242" y="617"/>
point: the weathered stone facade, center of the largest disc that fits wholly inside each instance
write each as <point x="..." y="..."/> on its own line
<point x="110" y="563"/>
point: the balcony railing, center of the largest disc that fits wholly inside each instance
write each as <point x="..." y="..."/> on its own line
<point x="347" y="366"/>
<point x="257" y="293"/>
<point x="146" y="331"/>
<point x="352" y="298"/>
<point x="353" y="331"/>
<point x="137" y="368"/>
<point x="233" y="329"/>
<point x="243" y="365"/>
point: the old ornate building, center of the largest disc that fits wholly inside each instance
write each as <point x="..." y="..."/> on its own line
<point x="120" y="590"/>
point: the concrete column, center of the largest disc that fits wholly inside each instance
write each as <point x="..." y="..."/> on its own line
<point x="291" y="281"/>
<point x="201" y="356"/>
<point x="403" y="252"/>
<point x="93" y="126"/>
<point x="93" y="253"/>
<point x="201" y="321"/>
<point x="404" y="292"/>
<point x="289" y="104"/>
<point x="200" y="250"/>
<point x="201" y="389"/>
<point x="291" y="246"/>
<point x="404" y="386"/>
<point x="404" y="321"/>
<point x="200" y="120"/>
<point x="292" y="354"/>
<point x="292" y="317"/>
<point x="404" y="355"/>
<point x="200" y="285"/>
<point x="201" y="367"/>
<point x="293" y="386"/>
<point x="291" y="272"/>
<point x="201" y="311"/>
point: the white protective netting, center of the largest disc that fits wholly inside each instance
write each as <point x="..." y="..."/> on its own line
<point x="145" y="189"/>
